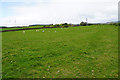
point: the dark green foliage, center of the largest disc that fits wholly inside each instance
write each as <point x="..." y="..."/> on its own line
<point x="56" y="25"/>
<point x="119" y="24"/>
<point x="116" y="24"/>
<point x="83" y="24"/>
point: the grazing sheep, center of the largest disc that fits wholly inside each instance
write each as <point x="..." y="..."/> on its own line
<point x="55" y="31"/>
<point x="23" y="31"/>
<point x="43" y="31"/>
<point x="37" y="30"/>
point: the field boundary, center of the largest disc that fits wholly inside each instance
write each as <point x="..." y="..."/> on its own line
<point x="26" y="29"/>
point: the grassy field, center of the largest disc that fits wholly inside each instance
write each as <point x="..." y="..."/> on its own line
<point x="3" y="29"/>
<point x="74" y="52"/>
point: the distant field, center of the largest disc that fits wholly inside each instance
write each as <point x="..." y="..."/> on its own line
<point x="9" y="29"/>
<point x="3" y="29"/>
<point x="74" y="52"/>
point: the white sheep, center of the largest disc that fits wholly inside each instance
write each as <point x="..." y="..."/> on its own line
<point x="37" y="30"/>
<point x="23" y="31"/>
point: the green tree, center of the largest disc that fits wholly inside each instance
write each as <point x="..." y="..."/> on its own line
<point x="83" y="24"/>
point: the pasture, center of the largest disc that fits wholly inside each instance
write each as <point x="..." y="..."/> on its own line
<point x="73" y="52"/>
<point x="14" y="28"/>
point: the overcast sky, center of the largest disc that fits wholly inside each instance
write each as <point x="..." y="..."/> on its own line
<point x="22" y="12"/>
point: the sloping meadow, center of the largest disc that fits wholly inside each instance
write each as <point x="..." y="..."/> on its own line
<point x="74" y="52"/>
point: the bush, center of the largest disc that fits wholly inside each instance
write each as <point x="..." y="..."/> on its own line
<point x="116" y="24"/>
<point x="119" y="24"/>
<point x="83" y="24"/>
<point x="66" y="26"/>
<point x="57" y="25"/>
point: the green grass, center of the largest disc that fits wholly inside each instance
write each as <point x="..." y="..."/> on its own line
<point x="75" y="52"/>
<point x="3" y="29"/>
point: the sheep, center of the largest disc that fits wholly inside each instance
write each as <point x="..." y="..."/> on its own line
<point x="37" y="30"/>
<point x="23" y="31"/>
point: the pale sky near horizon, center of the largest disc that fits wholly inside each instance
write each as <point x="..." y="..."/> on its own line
<point x="22" y="12"/>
